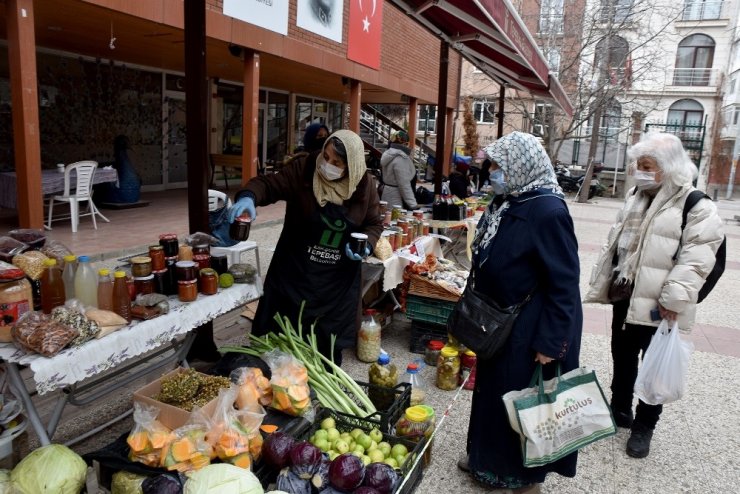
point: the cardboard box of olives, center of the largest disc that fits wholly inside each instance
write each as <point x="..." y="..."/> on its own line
<point x="169" y="415"/>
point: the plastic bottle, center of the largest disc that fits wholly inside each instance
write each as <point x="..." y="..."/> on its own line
<point x="384" y="378"/>
<point x="86" y="282"/>
<point x="368" y="338"/>
<point x="121" y="299"/>
<point x="70" y="267"/>
<point x="105" y="290"/>
<point x="411" y="376"/>
<point x="52" y="286"/>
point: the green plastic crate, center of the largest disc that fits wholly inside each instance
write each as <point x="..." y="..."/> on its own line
<point x="428" y="309"/>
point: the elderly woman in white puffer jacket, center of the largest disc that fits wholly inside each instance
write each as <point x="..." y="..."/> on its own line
<point x="637" y="274"/>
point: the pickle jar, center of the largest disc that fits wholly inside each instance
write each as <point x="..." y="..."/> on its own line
<point x="448" y="368"/>
<point x="417" y="424"/>
<point x="431" y="353"/>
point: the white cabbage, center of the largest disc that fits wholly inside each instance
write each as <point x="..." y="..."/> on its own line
<point x="222" y="478"/>
<point x="52" y="469"/>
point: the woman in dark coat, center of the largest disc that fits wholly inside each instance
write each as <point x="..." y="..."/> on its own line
<point x="329" y="196"/>
<point x="525" y="243"/>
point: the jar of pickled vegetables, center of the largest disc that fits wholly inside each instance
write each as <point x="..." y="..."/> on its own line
<point x="383" y="378"/>
<point x="368" y="338"/>
<point x="417" y="425"/>
<point x="431" y="353"/>
<point x="448" y="368"/>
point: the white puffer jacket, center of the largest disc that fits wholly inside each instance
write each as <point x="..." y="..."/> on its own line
<point x="657" y="277"/>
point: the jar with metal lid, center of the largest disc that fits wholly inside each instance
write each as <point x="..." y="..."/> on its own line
<point x="16" y="298"/>
<point x="141" y="266"/>
<point x="144" y="284"/>
<point x="169" y="243"/>
<point x="220" y="263"/>
<point x="431" y="353"/>
<point x="156" y="253"/>
<point x="368" y="338"/>
<point x="161" y="279"/>
<point x="171" y="278"/>
<point x="186" y="271"/>
<point x="201" y="249"/>
<point x="202" y="261"/>
<point x="187" y="291"/>
<point x="396" y="212"/>
<point x="185" y="253"/>
<point x="208" y="281"/>
<point x="448" y="368"/>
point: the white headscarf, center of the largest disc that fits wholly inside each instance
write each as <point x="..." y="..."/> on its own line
<point x="526" y="167"/>
<point x="338" y="191"/>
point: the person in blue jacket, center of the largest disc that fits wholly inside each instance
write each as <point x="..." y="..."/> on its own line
<point x="525" y="243"/>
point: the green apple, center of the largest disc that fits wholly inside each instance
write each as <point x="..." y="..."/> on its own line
<point x="341" y="446"/>
<point x="345" y="436"/>
<point x="399" y="450"/>
<point x="385" y="448"/>
<point x="359" y="449"/>
<point x="322" y="444"/>
<point x="356" y="432"/>
<point x="376" y="435"/>
<point x="333" y="454"/>
<point x="357" y="454"/>
<point x="332" y="434"/>
<point x="328" y="423"/>
<point x="391" y="462"/>
<point x="373" y="445"/>
<point x="400" y="459"/>
<point x="376" y="456"/>
<point x="366" y="460"/>
<point x="321" y="434"/>
<point x="364" y="440"/>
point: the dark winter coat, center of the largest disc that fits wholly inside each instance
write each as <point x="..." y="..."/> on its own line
<point x="535" y="249"/>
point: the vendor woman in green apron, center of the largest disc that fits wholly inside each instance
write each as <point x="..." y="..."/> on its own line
<point x="329" y="196"/>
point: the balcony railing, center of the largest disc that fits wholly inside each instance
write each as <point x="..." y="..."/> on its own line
<point x="697" y="10"/>
<point x="692" y="77"/>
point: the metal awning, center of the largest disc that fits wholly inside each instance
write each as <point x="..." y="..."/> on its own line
<point x="492" y="36"/>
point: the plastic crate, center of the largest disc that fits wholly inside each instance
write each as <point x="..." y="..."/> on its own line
<point x="385" y="419"/>
<point x="411" y="469"/>
<point x="422" y="333"/>
<point x="428" y="309"/>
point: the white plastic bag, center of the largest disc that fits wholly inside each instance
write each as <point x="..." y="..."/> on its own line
<point x="663" y="373"/>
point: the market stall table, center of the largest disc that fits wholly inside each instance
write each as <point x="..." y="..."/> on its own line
<point x="114" y="353"/>
<point x="51" y="181"/>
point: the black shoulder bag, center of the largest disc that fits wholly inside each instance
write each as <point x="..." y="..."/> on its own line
<point x="480" y="323"/>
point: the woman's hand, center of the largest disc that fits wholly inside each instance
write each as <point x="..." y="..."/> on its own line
<point x="542" y="359"/>
<point x="243" y="205"/>
<point x="666" y="314"/>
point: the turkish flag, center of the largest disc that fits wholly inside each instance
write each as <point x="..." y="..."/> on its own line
<point x="365" y="29"/>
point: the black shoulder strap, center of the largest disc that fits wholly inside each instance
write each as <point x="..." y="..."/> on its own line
<point x="693" y="197"/>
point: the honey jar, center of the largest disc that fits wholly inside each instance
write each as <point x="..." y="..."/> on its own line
<point x="141" y="266"/>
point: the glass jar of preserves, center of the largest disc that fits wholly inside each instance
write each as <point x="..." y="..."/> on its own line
<point x="185" y="253"/>
<point x="396" y="212"/>
<point x="141" y="266"/>
<point x="144" y="284"/>
<point x="202" y="261"/>
<point x="161" y="279"/>
<point x="208" y="281"/>
<point x="239" y="228"/>
<point x="185" y="271"/>
<point x="448" y="368"/>
<point x="431" y="353"/>
<point x="156" y="253"/>
<point x="169" y="243"/>
<point x="201" y="249"/>
<point x="187" y="291"/>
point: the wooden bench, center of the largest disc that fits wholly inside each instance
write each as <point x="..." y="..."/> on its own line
<point x="228" y="163"/>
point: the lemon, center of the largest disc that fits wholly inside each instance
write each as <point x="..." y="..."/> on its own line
<point x="225" y="280"/>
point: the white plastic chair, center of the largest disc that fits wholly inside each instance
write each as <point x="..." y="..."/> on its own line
<point x="217" y="199"/>
<point x="82" y="192"/>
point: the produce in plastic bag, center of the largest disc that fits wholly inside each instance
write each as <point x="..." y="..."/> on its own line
<point x="10" y="247"/>
<point x="35" y="238"/>
<point x="235" y="434"/>
<point x="52" y="469"/>
<point x="254" y="388"/>
<point x="148" y="437"/>
<point x="126" y="483"/>
<point x="189" y="449"/>
<point x="222" y="478"/>
<point x="31" y="262"/>
<point x="290" y="391"/>
<point x="200" y="238"/>
<point x="73" y="315"/>
<point x="665" y="366"/>
<point x="37" y="332"/>
<point x="55" y="249"/>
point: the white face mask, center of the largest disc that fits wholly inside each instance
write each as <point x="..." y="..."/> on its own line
<point x="330" y="172"/>
<point x="646" y="180"/>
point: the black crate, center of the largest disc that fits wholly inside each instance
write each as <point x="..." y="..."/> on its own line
<point x="383" y="420"/>
<point x="423" y="332"/>
<point x="411" y="469"/>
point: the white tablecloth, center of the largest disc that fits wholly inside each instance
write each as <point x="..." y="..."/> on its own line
<point x="79" y="363"/>
<point x="394" y="266"/>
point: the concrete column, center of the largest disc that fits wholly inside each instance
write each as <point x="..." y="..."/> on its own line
<point x="449" y="144"/>
<point x="250" y="114"/>
<point x="441" y="164"/>
<point x="355" y="104"/>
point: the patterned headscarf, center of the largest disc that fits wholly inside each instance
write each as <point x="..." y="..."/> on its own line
<point x="526" y="167"/>
<point x="338" y="191"/>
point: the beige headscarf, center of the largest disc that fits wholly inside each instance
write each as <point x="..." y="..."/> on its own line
<point x="338" y="191"/>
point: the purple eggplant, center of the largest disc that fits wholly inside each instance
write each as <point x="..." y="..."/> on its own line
<point x="289" y="482"/>
<point x="276" y="450"/>
<point x="380" y="477"/>
<point x="346" y="472"/>
<point x="305" y="459"/>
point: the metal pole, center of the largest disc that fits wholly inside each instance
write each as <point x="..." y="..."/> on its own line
<point x="501" y="99"/>
<point x="444" y="62"/>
